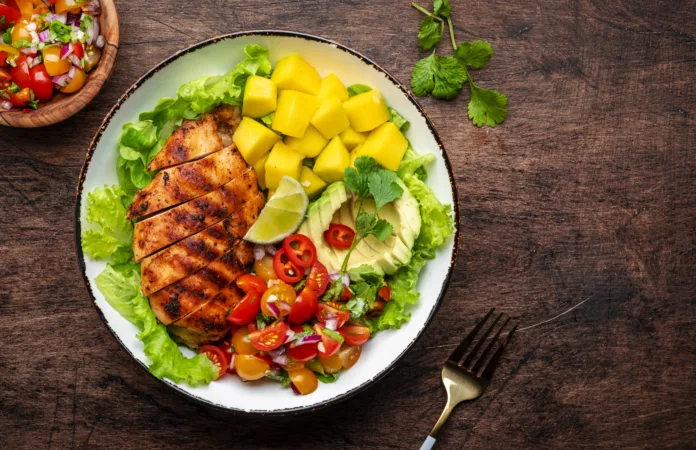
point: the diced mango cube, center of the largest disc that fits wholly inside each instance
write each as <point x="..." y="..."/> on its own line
<point x="331" y="85"/>
<point x="282" y="161"/>
<point x="330" y="164"/>
<point x="330" y="119"/>
<point x="294" y="73"/>
<point x="366" y="111"/>
<point x="352" y="138"/>
<point x="260" y="168"/>
<point x="386" y="144"/>
<point x="253" y="139"/>
<point x="295" y="110"/>
<point x="260" y="97"/>
<point x="310" y="145"/>
<point x="312" y="184"/>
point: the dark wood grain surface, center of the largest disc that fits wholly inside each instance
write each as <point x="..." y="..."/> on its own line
<point x="587" y="193"/>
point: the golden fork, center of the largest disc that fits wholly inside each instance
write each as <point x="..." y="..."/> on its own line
<point x="464" y="382"/>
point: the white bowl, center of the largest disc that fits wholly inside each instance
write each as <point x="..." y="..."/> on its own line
<point x="217" y="56"/>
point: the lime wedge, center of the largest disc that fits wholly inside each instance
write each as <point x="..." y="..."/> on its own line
<point x="282" y="215"/>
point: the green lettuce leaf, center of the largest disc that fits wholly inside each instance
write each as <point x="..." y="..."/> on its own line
<point x="413" y="162"/>
<point x="322" y="376"/>
<point x="112" y="234"/>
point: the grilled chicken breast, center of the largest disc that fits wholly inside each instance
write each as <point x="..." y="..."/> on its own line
<point x="180" y="299"/>
<point x="193" y="139"/>
<point x="228" y="118"/>
<point x="161" y="230"/>
<point x="178" y="184"/>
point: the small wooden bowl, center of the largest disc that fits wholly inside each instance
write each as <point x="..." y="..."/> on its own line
<point x="62" y="106"/>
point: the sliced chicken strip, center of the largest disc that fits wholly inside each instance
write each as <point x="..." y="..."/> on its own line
<point x="228" y="118"/>
<point x="178" y="184"/>
<point x="192" y="140"/>
<point x="161" y="230"/>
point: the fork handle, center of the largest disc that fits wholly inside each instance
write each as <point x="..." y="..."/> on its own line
<point x="430" y="440"/>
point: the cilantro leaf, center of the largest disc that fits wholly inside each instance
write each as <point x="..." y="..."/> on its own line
<point x="22" y="43"/>
<point x="382" y="230"/>
<point x="356" y="89"/>
<point x="306" y="331"/>
<point x="335" y="335"/>
<point x="7" y="36"/>
<point x="487" y="107"/>
<point x="368" y="224"/>
<point x="443" y="76"/>
<point x="356" y="179"/>
<point x="334" y="291"/>
<point x="474" y="54"/>
<point x="430" y="33"/>
<point x="383" y="187"/>
<point x="442" y="8"/>
<point x="60" y="32"/>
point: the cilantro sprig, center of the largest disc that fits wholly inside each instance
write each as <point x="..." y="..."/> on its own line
<point x="444" y="76"/>
<point x="366" y="179"/>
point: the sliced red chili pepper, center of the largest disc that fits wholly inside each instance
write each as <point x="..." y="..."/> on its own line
<point x="339" y="236"/>
<point x="300" y="250"/>
<point x="286" y="270"/>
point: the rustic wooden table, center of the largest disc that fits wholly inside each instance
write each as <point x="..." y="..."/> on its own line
<point x="585" y="196"/>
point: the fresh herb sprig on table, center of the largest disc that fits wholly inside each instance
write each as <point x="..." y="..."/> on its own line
<point x="365" y="179"/>
<point x="444" y="76"/>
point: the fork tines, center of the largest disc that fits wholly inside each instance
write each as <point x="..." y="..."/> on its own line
<point x="482" y="366"/>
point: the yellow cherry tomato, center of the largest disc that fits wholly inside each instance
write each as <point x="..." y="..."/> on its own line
<point x="304" y="380"/>
<point x="76" y="83"/>
<point x="278" y="294"/>
<point x="26" y="8"/>
<point x="349" y="355"/>
<point x="70" y="6"/>
<point x="249" y="367"/>
<point x="264" y="269"/>
<point x="242" y="344"/>
<point x="331" y="364"/>
<point x="293" y="365"/>
<point x="54" y="65"/>
<point x="20" y="32"/>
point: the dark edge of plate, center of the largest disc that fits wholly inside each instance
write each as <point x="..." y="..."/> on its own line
<point x="166" y="62"/>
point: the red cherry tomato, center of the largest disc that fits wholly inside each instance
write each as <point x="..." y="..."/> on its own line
<point x="21" y="98"/>
<point x="302" y="353"/>
<point x="345" y="295"/>
<point x="78" y="50"/>
<point x="20" y="73"/>
<point x="269" y="338"/>
<point x="339" y="236"/>
<point x="5" y="77"/>
<point x="300" y="250"/>
<point x="41" y="83"/>
<point x="285" y="269"/>
<point x="385" y="293"/>
<point x="305" y="306"/>
<point x="265" y="358"/>
<point x="354" y="335"/>
<point x="325" y="312"/>
<point x="247" y="309"/>
<point x="226" y="346"/>
<point x="3" y="59"/>
<point x="217" y="356"/>
<point x="248" y="281"/>
<point x="318" y="278"/>
<point x="11" y="15"/>
<point x="328" y="346"/>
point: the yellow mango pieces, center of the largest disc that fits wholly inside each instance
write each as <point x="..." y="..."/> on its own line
<point x="330" y="119"/>
<point x="331" y="85"/>
<point x="386" y="144"/>
<point x="260" y="97"/>
<point x="294" y="73"/>
<point x="282" y="161"/>
<point x="253" y="139"/>
<point x="260" y="168"/>
<point x="293" y="113"/>
<point x="366" y="111"/>
<point x="310" y="145"/>
<point x="352" y="138"/>
<point x="331" y="162"/>
<point x="312" y="184"/>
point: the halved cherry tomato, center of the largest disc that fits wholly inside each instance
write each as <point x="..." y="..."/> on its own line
<point x="318" y="278"/>
<point x="385" y="293"/>
<point x="328" y="345"/>
<point x="41" y="83"/>
<point x="349" y="355"/>
<point x="304" y="381"/>
<point x="5" y="78"/>
<point x="339" y="236"/>
<point x="269" y="338"/>
<point x="226" y="347"/>
<point x="286" y="269"/>
<point x="293" y="365"/>
<point x="20" y="73"/>
<point x="78" y="50"/>
<point x="326" y="312"/>
<point x="76" y="83"/>
<point x="305" y="306"/>
<point x="300" y="250"/>
<point x="21" y="98"/>
<point x="331" y="364"/>
<point x="242" y="343"/>
<point x="70" y="6"/>
<point x="217" y="356"/>
<point x="249" y="367"/>
<point x="3" y="59"/>
<point x="377" y="308"/>
<point x="303" y="353"/>
<point x="249" y="281"/>
<point x="354" y="334"/>
<point x="264" y="269"/>
<point x="10" y="14"/>
<point x="20" y="31"/>
<point x="247" y="309"/>
<point x="281" y="295"/>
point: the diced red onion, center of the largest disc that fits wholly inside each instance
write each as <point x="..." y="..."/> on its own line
<point x="321" y="348"/>
<point x="285" y="306"/>
<point x="92" y="31"/>
<point x="75" y="60"/>
<point x="311" y="339"/>
<point x="289" y="336"/>
<point x="30" y="50"/>
<point x="66" y="50"/>
<point x="345" y="280"/>
<point x="94" y="8"/>
<point x="275" y="312"/>
<point x="330" y="315"/>
<point x="72" y="72"/>
<point x="6" y="105"/>
<point x="333" y="276"/>
<point x="277" y="352"/>
<point x="259" y="252"/>
<point x="62" y="18"/>
<point x="62" y="80"/>
<point x="232" y="361"/>
<point x="281" y="360"/>
<point x="31" y="26"/>
<point x="271" y="283"/>
<point x="100" y="42"/>
<point x="271" y="250"/>
<point x="295" y="390"/>
<point x="44" y="35"/>
<point x="307" y="270"/>
<point x="332" y="324"/>
<point x="36" y="61"/>
<point x="73" y="19"/>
